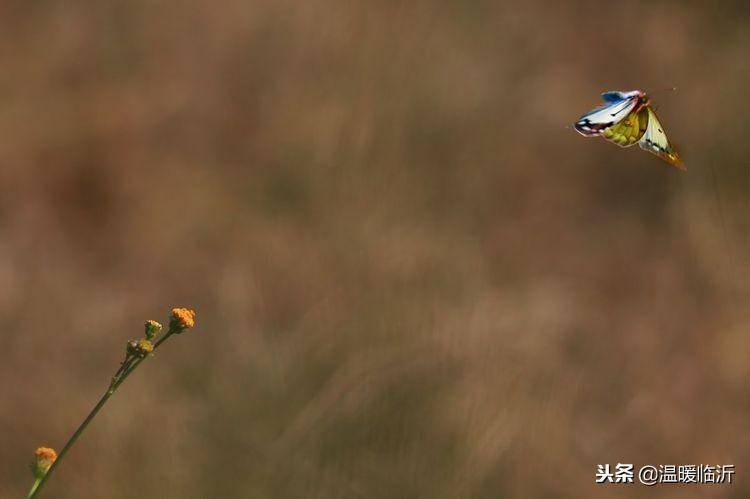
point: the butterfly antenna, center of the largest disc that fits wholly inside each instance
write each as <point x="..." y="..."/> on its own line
<point x="660" y="90"/>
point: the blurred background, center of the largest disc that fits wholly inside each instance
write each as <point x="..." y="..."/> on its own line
<point x="412" y="280"/>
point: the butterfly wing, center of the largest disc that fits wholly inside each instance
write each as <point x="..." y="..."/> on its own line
<point x="619" y="105"/>
<point x="655" y="140"/>
<point x="616" y="95"/>
<point x="628" y="131"/>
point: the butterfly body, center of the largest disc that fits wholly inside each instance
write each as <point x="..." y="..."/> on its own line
<point x="626" y="119"/>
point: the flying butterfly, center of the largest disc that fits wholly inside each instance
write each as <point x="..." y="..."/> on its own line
<point x="627" y="118"/>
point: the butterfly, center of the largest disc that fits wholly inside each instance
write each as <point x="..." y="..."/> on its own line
<point x="627" y="118"/>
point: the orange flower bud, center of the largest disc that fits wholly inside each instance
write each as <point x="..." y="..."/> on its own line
<point x="181" y="319"/>
<point x="43" y="459"/>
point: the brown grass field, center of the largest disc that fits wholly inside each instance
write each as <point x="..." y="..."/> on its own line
<point x="412" y="279"/>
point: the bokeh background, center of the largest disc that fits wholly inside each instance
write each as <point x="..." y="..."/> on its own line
<point x="412" y="280"/>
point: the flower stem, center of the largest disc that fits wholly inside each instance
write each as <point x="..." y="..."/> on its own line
<point x="128" y="367"/>
<point x="72" y="440"/>
<point x="34" y="487"/>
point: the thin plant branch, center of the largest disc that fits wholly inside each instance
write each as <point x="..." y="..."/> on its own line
<point x="136" y="352"/>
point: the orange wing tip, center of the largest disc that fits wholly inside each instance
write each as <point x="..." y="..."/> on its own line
<point x="676" y="161"/>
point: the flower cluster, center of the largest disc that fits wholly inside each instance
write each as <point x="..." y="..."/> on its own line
<point x="180" y="320"/>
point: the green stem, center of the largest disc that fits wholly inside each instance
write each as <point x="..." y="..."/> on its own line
<point x="126" y="372"/>
<point x="117" y="380"/>
<point x="34" y="487"/>
<point x="73" y="439"/>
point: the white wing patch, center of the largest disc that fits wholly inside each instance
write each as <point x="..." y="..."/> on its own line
<point x="599" y="119"/>
<point x="655" y="140"/>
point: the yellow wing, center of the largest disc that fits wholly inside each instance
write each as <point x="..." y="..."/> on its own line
<point x="655" y="141"/>
<point x="630" y="130"/>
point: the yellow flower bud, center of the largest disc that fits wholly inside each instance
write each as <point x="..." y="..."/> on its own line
<point x="145" y="347"/>
<point x="152" y="329"/>
<point x="43" y="459"/>
<point x="181" y="319"/>
<point x="139" y="348"/>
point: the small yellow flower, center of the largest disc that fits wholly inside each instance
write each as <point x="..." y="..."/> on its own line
<point x="145" y="347"/>
<point x="181" y="319"/>
<point x="152" y="329"/>
<point x="43" y="459"/>
<point x="139" y="348"/>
